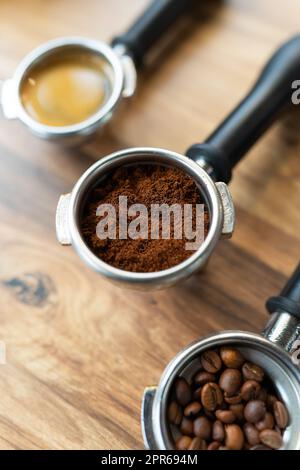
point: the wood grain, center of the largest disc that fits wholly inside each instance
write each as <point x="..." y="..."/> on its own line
<point x="79" y="350"/>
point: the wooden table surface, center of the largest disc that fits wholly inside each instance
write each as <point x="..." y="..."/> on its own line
<point x="79" y="350"/>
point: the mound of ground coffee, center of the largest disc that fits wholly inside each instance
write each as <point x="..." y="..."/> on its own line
<point x="144" y="184"/>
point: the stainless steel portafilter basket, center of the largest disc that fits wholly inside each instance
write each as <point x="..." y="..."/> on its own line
<point x="121" y="60"/>
<point x="276" y="350"/>
<point x="216" y="196"/>
<point x="120" y="75"/>
<point x="210" y="165"/>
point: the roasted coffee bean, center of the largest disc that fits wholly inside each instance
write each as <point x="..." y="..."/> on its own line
<point x="211" y="396"/>
<point x="266" y="423"/>
<point x="214" y="446"/>
<point x="183" y="392"/>
<point x="253" y="372"/>
<point x="218" y="431"/>
<point x="263" y="395"/>
<point x="238" y="410"/>
<point x="202" y="427"/>
<point x="204" y="377"/>
<point x="211" y="362"/>
<point x="281" y="414"/>
<point x="250" y="390"/>
<point x="197" y="394"/>
<point x="226" y="416"/>
<point x="192" y="410"/>
<point x="187" y="427"/>
<point x="231" y="357"/>
<point x="198" y="444"/>
<point x="228" y="406"/>
<point x="251" y="434"/>
<point x="260" y="447"/>
<point x="255" y="411"/>
<point x="233" y="399"/>
<point x="276" y="428"/>
<point x="271" y="399"/>
<point x="174" y="413"/>
<point x="234" y="437"/>
<point x="230" y="381"/>
<point x="183" y="443"/>
<point x="271" y="438"/>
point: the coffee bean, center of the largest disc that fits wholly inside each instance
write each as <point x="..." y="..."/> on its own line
<point x="211" y="396"/>
<point x="255" y="411"/>
<point x="214" y="446"/>
<point x="278" y="429"/>
<point x="211" y="362"/>
<point x="271" y="438"/>
<point x="233" y="399"/>
<point x="174" y="413"/>
<point x="227" y="406"/>
<point x="230" y="381"/>
<point x="226" y="416"/>
<point x="260" y="447"/>
<point x="204" y="377"/>
<point x="263" y="395"/>
<point x="202" y="427"/>
<point x="183" y="443"/>
<point x="238" y="410"/>
<point x="197" y="394"/>
<point x="198" y="444"/>
<point x="192" y="410"/>
<point x="234" y="437"/>
<point x="271" y="399"/>
<point x="281" y="414"/>
<point x="250" y="390"/>
<point x="182" y="392"/>
<point x="266" y="423"/>
<point x="251" y="434"/>
<point x="187" y="427"/>
<point x="252" y="372"/>
<point x="231" y="357"/>
<point x="218" y="431"/>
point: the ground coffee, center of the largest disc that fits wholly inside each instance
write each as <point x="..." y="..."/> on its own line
<point x="144" y="184"/>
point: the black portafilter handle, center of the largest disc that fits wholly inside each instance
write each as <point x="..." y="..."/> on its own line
<point x="289" y="299"/>
<point x="254" y="115"/>
<point x="150" y="26"/>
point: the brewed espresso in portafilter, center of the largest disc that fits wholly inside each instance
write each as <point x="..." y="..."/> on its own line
<point x="65" y="89"/>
